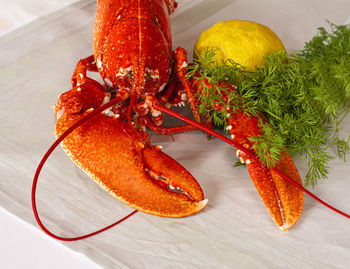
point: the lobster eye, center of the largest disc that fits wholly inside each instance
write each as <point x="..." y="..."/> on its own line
<point x="130" y="74"/>
<point x="155" y="21"/>
<point x="147" y="76"/>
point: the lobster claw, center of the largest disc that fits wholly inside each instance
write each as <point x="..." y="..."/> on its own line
<point x="136" y="173"/>
<point x="283" y="200"/>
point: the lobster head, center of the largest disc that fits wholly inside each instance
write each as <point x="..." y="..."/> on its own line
<point x="132" y="44"/>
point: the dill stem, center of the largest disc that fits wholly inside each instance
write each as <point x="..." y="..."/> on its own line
<point x="272" y="114"/>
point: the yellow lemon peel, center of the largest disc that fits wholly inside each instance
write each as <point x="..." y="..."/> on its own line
<point x="245" y="42"/>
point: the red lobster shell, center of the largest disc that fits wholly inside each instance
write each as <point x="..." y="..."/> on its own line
<point x="283" y="200"/>
<point x="133" y="54"/>
<point x="132" y="44"/>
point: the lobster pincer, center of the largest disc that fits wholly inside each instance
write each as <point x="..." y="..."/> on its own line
<point x="133" y="54"/>
<point x="283" y="200"/>
<point x="130" y="169"/>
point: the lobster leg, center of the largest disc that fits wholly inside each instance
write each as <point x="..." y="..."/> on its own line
<point x="142" y="108"/>
<point x="86" y="92"/>
<point x="173" y="95"/>
<point x="89" y="94"/>
<point x="84" y="65"/>
<point x="168" y="130"/>
<point x="168" y="92"/>
<point x="150" y="101"/>
<point x="179" y="96"/>
<point x="181" y="65"/>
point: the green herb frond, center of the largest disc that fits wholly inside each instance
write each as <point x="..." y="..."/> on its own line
<point x="268" y="146"/>
<point x="305" y="97"/>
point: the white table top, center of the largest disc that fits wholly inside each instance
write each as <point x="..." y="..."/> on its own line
<point x="227" y="236"/>
<point x="23" y="245"/>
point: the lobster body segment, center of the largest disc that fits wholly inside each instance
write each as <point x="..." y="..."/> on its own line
<point x="132" y="44"/>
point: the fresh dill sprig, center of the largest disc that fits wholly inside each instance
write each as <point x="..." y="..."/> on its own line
<point x="268" y="146"/>
<point x="305" y="97"/>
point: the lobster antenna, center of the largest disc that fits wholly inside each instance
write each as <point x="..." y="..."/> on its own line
<point x="246" y="151"/>
<point x="167" y="111"/>
<point x="44" y="159"/>
<point x="131" y="105"/>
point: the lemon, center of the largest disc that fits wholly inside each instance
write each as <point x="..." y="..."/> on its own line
<point x="245" y="42"/>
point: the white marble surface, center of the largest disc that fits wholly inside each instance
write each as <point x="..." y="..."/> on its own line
<point x="233" y="232"/>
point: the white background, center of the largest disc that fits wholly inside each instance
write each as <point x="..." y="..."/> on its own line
<point x="25" y="246"/>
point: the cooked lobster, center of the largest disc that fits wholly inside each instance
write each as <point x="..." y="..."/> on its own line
<point x="133" y="54"/>
<point x="141" y="73"/>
